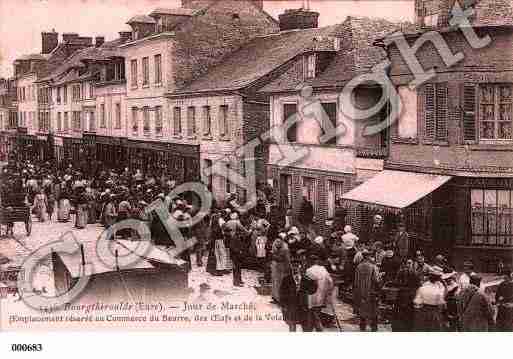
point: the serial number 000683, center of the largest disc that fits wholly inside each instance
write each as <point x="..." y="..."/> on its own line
<point x="26" y="347"/>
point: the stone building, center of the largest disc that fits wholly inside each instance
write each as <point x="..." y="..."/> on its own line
<point x="335" y="55"/>
<point x="450" y="160"/>
<point x="8" y="115"/>
<point x="34" y="101"/>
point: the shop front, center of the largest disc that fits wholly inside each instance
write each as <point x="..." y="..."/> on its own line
<point x="469" y="220"/>
<point x="180" y="162"/>
<point x="110" y="151"/>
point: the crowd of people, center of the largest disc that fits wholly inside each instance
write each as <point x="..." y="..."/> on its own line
<point x="302" y="266"/>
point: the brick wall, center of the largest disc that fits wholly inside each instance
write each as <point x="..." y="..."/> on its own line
<point x="203" y="41"/>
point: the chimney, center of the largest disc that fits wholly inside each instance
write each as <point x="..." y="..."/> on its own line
<point x="125" y="35"/>
<point x="50" y="40"/>
<point x="293" y="19"/>
<point x="99" y="41"/>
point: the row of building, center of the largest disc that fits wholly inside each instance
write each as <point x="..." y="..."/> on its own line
<point x="187" y="87"/>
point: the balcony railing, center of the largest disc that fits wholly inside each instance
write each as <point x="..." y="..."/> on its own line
<point x="379" y="153"/>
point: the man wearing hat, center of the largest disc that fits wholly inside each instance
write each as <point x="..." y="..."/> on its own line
<point x="504" y="300"/>
<point x="235" y="233"/>
<point x="366" y="291"/>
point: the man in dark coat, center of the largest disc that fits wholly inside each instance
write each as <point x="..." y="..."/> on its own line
<point x="365" y="292"/>
<point x="306" y="213"/>
<point x="504" y="300"/>
<point x="235" y="233"/>
<point x="475" y="311"/>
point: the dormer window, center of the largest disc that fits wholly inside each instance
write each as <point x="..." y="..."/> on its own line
<point x="311" y="62"/>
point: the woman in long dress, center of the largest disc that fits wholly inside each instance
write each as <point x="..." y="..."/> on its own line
<point x="110" y="212"/>
<point x="280" y="265"/>
<point x="218" y="259"/>
<point x="81" y="217"/>
<point x="63" y="214"/>
<point x="41" y="206"/>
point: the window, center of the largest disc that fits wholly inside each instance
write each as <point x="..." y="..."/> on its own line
<point x="117" y="123"/>
<point x="158" y="69"/>
<point x="58" y="95"/>
<point x="158" y="120"/>
<point x="310" y="66"/>
<point x="133" y="72"/>
<point x="223" y="120"/>
<point x="435" y="112"/>
<point x="228" y="185"/>
<point x="177" y="121"/>
<point x="65" y="94"/>
<point x="135" y="121"/>
<point x="191" y="121"/>
<point x="103" y="120"/>
<point x="335" y="190"/>
<point x="146" y="71"/>
<point x="146" y="120"/>
<point x="309" y="191"/>
<point x="76" y="93"/>
<point x="66" y="122"/>
<point x="207" y="121"/>
<point x="77" y="126"/>
<point x="91" y="90"/>
<point x="286" y="190"/>
<point x="59" y="122"/>
<point x="331" y="111"/>
<point x="491" y="220"/>
<point x="289" y="113"/>
<point x="495" y="112"/>
<point x="92" y="121"/>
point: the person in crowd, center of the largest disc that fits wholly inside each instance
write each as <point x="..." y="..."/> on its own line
<point x="110" y="211"/>
<point x="408" y="283"/>
<point x="322" y="297"/>
<point x="280" y="264"/>
<point x="366" y="289"/>
<point x="504" y="301"/>
<point x="236" y="234"/>
<point x="390" y="266"/>
<point x="421" y="267"/>
<point x="64" y="212"/>
<point x="475" y="311"/>
<point x="294" y="293"/>
<point x="377" y="231"/>
<point x="41" y="206"/>
<point x="218" y="262"/>
<point x="81" y="209"/>
<point x="349" y="241"/>
<point x="430" y="303"/>
<point x="403" y="243"/>
<point x="306" y="214"/>
<point x="451" y="300"/>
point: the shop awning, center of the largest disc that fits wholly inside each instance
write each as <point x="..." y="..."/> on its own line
<point x="395" y="189"/>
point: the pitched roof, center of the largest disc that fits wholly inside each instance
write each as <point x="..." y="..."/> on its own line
<point x="180" y="11"/>
<point x="145" y="19"/>
<point x="101" y="53"/>
<point x="357" y="54"/>
<point x="260" y="57"/>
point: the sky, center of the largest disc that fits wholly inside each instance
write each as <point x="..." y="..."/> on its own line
<point x="22" y="21"/>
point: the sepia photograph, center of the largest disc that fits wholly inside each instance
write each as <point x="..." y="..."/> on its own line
<point x="256" y="166"/>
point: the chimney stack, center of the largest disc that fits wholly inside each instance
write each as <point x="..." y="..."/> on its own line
<point x="50" y="40"/>
<point x="99" y="41"/>
<point x="293" y="19"/>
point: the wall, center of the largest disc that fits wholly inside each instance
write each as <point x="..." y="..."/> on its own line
<point x="492" y="64"/>
<point x="203" y="41"/>
<point x="29" y="107"/>
<point x="110" y="95"/>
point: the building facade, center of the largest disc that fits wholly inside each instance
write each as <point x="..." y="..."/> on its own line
<point x="455" y="143"/>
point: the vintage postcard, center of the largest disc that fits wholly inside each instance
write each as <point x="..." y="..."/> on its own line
<point x="256" y="166"/>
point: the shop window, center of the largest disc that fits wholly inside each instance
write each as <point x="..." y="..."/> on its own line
<point x="491" y="217"/>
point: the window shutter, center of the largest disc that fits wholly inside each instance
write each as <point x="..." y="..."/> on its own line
<point x="469" y="112"/>
<point x="441" y="111"/>
<point x="429" y="111"/>
<point x="331" y="110"/>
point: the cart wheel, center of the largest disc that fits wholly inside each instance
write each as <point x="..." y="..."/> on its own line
<point x="28" y="226"/>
